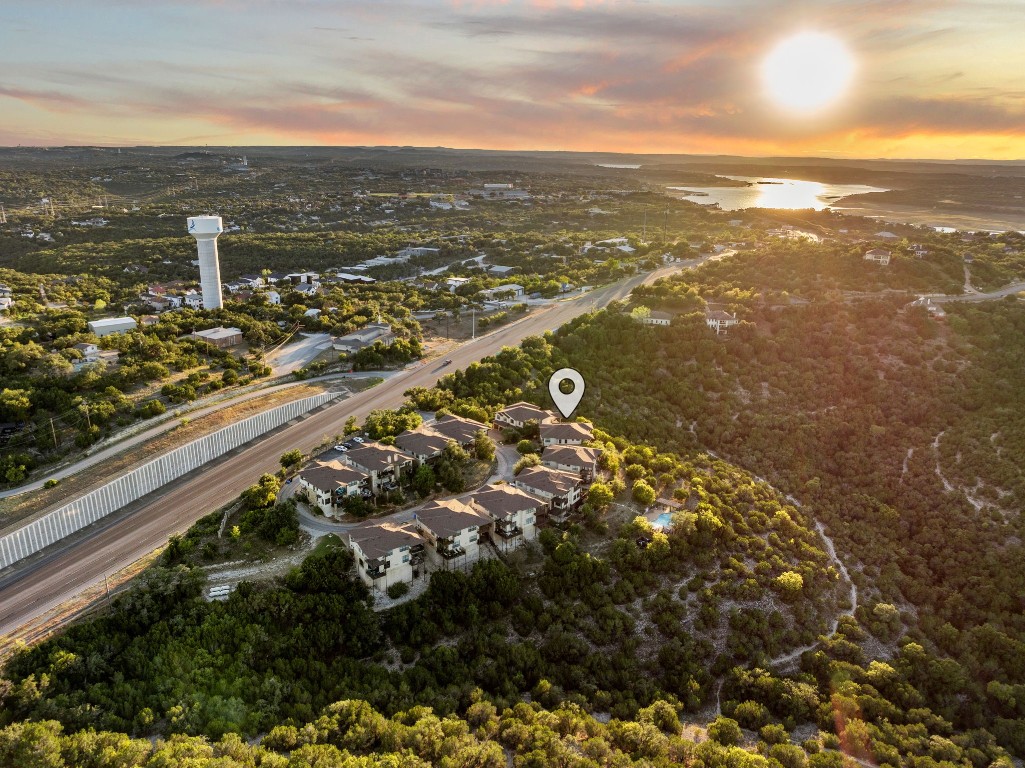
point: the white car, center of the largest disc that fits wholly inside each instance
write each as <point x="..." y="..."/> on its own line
<point x="341" y="448"/>
<point x="359" y="439"/>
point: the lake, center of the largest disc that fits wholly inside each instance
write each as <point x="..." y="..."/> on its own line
<point x="764" y="192"/>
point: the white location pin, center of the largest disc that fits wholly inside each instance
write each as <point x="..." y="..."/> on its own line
<point x="566" y="403"/>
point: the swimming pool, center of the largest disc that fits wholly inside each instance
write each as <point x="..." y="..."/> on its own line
<point x="665" y="520"/>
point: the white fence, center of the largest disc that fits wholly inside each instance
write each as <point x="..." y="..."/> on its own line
<point x="118" y="493"/>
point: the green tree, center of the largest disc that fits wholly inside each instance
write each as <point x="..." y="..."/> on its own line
<point x="291" y="458"/>
<point x="643" y="493"/>
<point x="599" y="495"/>
<point x="483" y="446"/>
<point x="424" y="480"/>
<point x="725" y="731"/>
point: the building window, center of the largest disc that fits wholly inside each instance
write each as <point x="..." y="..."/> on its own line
<point x="474" y="537"/>
<point x="405" y="558"/>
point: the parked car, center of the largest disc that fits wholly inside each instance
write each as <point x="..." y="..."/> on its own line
<point x="341" y="448"/>
<point x="359" y="440"/>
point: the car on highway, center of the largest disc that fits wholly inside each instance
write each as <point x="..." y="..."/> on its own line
<point x="447" y="362"/>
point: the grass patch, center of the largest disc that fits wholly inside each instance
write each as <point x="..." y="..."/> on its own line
<point x="328" y="543"/>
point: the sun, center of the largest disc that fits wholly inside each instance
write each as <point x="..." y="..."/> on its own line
<point x="808" y="71"/>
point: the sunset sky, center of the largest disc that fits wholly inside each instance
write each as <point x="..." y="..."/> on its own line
<point x="933" y="79"/>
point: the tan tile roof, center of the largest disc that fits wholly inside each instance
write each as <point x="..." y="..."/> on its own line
<point x="331" y="475"/>
<point x="562" y="430"/>
<point x="522" y="411"/>
<point x="375" y="457"/>
<point x="457" y="428"/>
<point x="571" y="455"/>
<point x="502" y="501"/>
<point x="447" y="518"/>
<point x="382" y="538"/>
<point x="554" y="481"/>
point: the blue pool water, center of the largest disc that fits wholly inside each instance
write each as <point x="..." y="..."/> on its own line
<point x="665" y="520"/>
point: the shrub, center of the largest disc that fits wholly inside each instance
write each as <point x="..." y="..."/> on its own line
<point x="398" y="589"/>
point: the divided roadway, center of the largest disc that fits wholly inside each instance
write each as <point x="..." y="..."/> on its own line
<point x="64" y="571"/>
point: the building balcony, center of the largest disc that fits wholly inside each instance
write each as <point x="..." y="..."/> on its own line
<point x="507" y="529"/>
<point x="450" y="549"/>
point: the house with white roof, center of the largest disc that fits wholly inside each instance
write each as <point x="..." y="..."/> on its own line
<point x="109" y="325"/>
<point x="878" y="255"/>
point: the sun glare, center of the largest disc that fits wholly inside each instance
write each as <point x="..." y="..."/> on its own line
<point x="807" y="71"/>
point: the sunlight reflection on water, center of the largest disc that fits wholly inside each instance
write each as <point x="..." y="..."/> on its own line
<point x="772" y="193"/>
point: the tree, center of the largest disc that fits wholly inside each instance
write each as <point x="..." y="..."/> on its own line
<point x="523" y="447"/>
<point x="599" y="495"/>
<point x="725" y="731"/>
<point x="483" y="446"/>
<point x="15" y="404"/>
<point x="424" y="480"/>
<point x="790" y="584"/>
<point x="643" y="493"/>
<point x="263" y="493"/>
<point x="291" y="458"/>
<point x="529" y="460"/>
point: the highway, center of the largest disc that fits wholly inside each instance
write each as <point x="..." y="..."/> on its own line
<point x="62" y="572"/>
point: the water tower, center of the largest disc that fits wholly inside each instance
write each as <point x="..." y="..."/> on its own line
<point x="206" y="229"/>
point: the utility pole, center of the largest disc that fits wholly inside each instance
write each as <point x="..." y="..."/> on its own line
<point x="665" y="226"/>
<point x="85" y="409"/>
<point x="644" y="229"/>
<point x="106" y="586"/>
<point x="473" y="323"/>
<point x="3" y="215"/>
<point x="53" y="430"/>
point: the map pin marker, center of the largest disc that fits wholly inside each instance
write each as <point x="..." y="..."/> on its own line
<point x="566" y="403"/>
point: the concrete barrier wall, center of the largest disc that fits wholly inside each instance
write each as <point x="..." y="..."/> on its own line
<point x="77" y="514"/>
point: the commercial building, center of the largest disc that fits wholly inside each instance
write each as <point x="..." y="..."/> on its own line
<point x="109" y="325"/>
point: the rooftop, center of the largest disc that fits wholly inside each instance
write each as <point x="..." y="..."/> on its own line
<point x="375" y="457"/>
<point x="329" y="476"/>
<point x="450" y="517"/>
<point x="553" y="481"/>
<point x="565" y="430"/>
<point x="571" y="455"/>
<point x="523" y="411"/>
<point x="380" y="540"/>
<point x="220" y="332"/>
<point x="502" y="501"/>
<point x="457" y="428"/>
<point x="720" y="315"/>
<point x="420" y="442"/>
